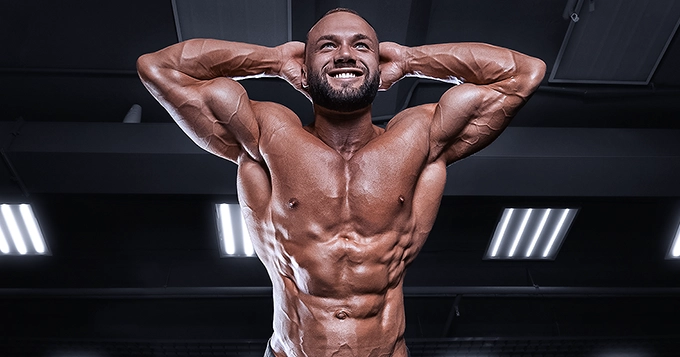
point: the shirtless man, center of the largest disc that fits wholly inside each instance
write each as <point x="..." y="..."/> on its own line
<point x="338" y="209"/>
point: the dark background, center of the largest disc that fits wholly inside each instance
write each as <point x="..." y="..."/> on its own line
<point x="127" y="208"/>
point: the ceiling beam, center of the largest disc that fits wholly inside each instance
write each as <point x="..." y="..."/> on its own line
<point x="160" y="159"/>
<point x="264" y="291"/>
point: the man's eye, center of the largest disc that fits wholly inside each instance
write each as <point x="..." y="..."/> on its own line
<point x="362" y="46"/>
<point x="328" y="45"/>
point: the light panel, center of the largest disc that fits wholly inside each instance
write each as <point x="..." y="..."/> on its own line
<point x="234" y="240"/>
<point x="674" y="251"/>
<point x="20" y="232"/>
<point x="530" y="233"/>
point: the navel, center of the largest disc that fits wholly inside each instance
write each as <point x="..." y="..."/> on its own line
<point x="341" y="314"/>
<point x="292" y="203"/>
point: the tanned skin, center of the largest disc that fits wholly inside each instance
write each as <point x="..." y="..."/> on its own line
<point x="337" y="210"/>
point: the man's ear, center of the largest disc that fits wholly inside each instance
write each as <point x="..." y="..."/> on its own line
<point x="303" y="77"/>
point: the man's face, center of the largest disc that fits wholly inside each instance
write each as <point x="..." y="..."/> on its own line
<point x="342" y="63"/>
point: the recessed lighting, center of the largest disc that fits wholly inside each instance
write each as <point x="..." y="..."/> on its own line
<point x="234" y="239"/>
<point x="20" y="232"/>
<point x="530" y="233"/>
<point x="674" y="251"/>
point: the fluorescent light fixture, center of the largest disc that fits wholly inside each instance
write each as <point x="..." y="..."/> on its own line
<point x="234" y="239"/>
<point x="520" y="232"/>
<point x="507" y="214"/>
<point x="20" y="233"/>
<point x="247" y="243"/>
<point x="530" y="233"/>
<point x="674" y="251"/>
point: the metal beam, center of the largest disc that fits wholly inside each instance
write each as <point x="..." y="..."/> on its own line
<point x="159" y="158"/>
<point x="409" y="292"/>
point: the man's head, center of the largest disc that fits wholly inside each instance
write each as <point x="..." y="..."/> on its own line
<point x="341" y="60"/>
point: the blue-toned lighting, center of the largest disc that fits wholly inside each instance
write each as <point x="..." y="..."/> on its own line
<point x="20" y="232"/>
<point x="234" y="238"/>
<point x="507" y="214"/>
<point x="674" y="252"/>
<point x="537" y="232"/>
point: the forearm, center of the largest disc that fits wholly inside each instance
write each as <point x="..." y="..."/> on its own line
<point x="474" y="63"/>
<point x="205" y="59"/>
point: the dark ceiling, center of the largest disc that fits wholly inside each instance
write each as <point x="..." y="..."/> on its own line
<point x="127" y="209"/>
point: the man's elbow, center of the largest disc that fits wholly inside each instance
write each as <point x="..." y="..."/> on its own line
<point x="154" y="71"/>
<point x="146" y="66"/>
<point x="535" y="71"/>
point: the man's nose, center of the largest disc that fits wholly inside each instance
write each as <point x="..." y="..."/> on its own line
<point x="345" y="55"/>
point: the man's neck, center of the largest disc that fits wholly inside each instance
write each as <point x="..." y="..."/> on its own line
<point x="346" y="133"/>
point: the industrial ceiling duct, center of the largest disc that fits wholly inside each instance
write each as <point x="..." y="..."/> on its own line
<point x="615" y="42"/>
<point x="263" y="22"/>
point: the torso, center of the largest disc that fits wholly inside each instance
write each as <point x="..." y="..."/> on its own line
<point x="336" y="234"/>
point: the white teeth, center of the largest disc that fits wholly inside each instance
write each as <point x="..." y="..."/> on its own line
<point x="345" y="75"/>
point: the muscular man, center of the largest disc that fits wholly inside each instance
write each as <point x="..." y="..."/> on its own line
<point x="338" y="209"/>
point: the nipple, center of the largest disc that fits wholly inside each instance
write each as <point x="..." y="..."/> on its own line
<point x="401" y="200"/>
<point x="341" y="315"/>
<point x="292" y="202"/>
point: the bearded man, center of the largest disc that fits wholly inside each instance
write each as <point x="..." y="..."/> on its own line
<point x="338" y="209"/>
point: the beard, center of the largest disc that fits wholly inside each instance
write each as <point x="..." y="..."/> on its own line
<point x="346" y="99"/>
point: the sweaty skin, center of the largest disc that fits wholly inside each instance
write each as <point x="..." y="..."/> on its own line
<point x="337" y="210"/>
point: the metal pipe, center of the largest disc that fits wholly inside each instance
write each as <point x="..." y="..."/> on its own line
<point x="609" y="93"/>
<point x="71" y="72"/>
<point x="409" y="292"/>
<point x="581" y="92"/>
<point x="538" y="291"/>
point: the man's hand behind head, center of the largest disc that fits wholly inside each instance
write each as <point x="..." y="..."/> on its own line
<point x="292" y="59"/>
<point x="392" y="64"/>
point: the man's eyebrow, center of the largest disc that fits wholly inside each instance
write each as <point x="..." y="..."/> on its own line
<point x="326" y="38"/>
<point x="358" y="36"/>
<point x="361" y="36"/>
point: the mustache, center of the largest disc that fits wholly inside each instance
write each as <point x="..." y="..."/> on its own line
<point x="343" y="65"/>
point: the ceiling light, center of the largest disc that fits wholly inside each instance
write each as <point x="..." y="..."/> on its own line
<point x="20" y="233"/>
<point x="234" y="240"/>
<point x="530" y="233"/>
<point x="674" y="251"/>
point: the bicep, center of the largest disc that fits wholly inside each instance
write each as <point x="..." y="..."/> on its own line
<point x="216" y="114"/>
<point x="468" y="118"/>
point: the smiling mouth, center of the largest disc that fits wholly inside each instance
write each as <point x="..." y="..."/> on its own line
<point x="345" y="73"/>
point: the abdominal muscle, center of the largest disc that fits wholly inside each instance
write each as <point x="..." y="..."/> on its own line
<point x="340" y="297"/>
<point x="335" y="236"/>
<point x="362" y="325"/>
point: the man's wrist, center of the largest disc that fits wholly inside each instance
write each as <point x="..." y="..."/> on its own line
<point x="407" y="59"/>
<point x="277" y="65"/>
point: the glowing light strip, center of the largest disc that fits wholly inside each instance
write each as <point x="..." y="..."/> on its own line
<point x="4" y="246"/>
<point x="504" y="225"/>
<point x="676" y="246"/>
<point x="520" y="232"/>
<point x="227" y="231"/>
<point x="538" y="232"/>
<point x="556" y="232"/>
<point x="14" y="231"/>
<point x="32" y="227"/>
<point x="247" y="243"/>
